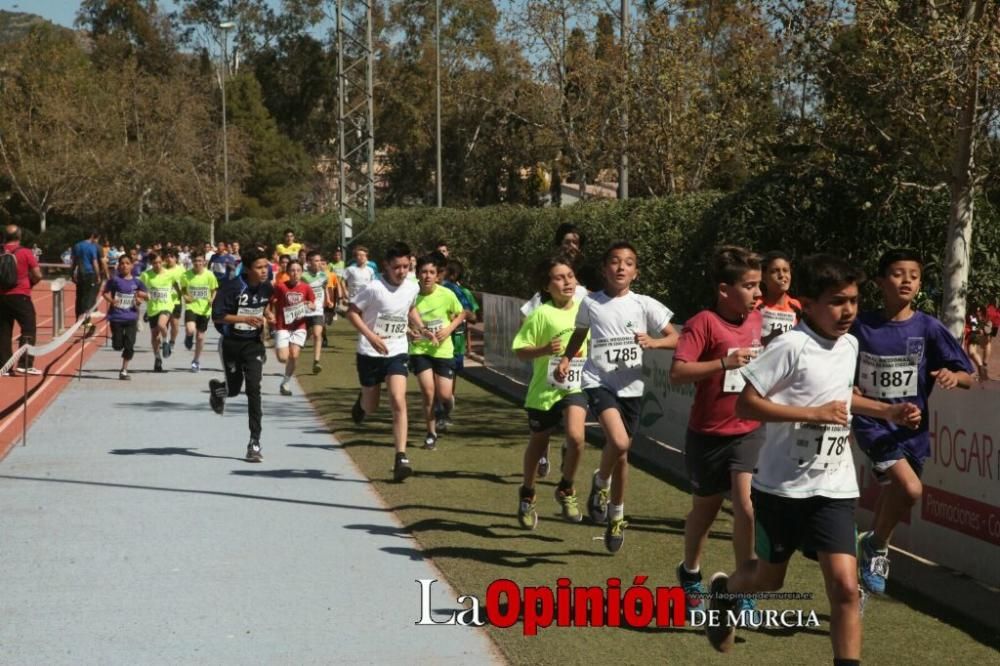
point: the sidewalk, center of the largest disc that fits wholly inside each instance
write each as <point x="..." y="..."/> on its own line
<point x="134" y="532"/>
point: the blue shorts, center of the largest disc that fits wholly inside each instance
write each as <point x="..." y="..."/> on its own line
<point x="442" y="367"/>
<point x="372" y="370"/>
<point x="886" y="451"/>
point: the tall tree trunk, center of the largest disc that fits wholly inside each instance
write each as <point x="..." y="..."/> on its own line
<point x="41" y="221"/>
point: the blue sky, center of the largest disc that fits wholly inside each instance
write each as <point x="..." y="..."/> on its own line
<point x="63" y="12"/>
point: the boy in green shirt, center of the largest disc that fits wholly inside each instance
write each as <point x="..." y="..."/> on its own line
<point x="199" y="286"/>
<point x="161" y="285"/>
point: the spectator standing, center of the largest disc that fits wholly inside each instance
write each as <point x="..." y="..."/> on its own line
<point x="86" y="273"/>
<point x="15" y="300"/>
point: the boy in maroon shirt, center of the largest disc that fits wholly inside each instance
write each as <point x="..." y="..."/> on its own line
<point x="720" y="449"/>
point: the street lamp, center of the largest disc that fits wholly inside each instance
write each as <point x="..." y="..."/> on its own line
<point x="225" y="27"/>
<point x="437" y="89"/>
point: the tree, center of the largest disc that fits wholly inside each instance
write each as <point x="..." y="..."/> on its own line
<point x="123" y="29"/>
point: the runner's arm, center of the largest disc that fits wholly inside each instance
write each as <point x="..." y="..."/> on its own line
<point x="901" y="413"/>
<point x="752" y="405"/>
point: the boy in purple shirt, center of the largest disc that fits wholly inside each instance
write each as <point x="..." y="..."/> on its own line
<point x="904" y="353"/>
<point x="124" y="292"/>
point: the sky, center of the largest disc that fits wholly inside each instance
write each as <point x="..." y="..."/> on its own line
<point x="63" y="12"/>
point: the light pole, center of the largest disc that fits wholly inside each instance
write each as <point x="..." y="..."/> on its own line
<point x="225" y="27"/>
<point x="437" y="55"/>
<point x="623" y="168"/>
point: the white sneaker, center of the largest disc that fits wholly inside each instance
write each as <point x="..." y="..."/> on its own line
<point x="28" y="371"/>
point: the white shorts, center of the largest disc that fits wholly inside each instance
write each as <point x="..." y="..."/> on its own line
<point x="284" y="338"/>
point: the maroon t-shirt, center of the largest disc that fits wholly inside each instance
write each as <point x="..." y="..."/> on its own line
<point x="708" y="337"/>
<point x="26" y="260"/>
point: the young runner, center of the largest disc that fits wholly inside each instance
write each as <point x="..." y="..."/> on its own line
<point x="124" y="293"/>
<point x="541" y="339"/>
<point x="432" y="355"/>
<point x="621" y="324"/>
<point x="222" y="264"/>
<point x="290" y="246"/>
<point x="805" y="487"/>
<point x="321" y="282"/>
<point x="779" y="309"/>
<point x="381" y="313"/>
<point x="239" y="312"/>
<point x="569" y="241"/>
<point x="460" y="338"/>
<point x="720" y="449"/>
<point x="360" y="274"/>
<point x="161" y="285"/>
<point x="292" y="303"/>
<point x="199" y="286"/>
<point x="904" y="355"/>
<point x="171" y="264"/>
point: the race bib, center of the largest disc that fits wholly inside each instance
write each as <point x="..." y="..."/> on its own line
<point x="389" y="327"/>
<point x="248" y="312"/>
<point x="124" y="301"/>
<point x="295" y="312"/>
<point x="434" y="325"/>
<point x="733" y="381"/>
<point x="888" y="376"/>
<point x="574" y="375"/>
<point x="611" y="354"/>
<point x="198" y="293"/>
<point x="823" y="444"/>
<point x="319" y="291"/>
<point x="159" y="294"/>
<point x="776" y="321"/>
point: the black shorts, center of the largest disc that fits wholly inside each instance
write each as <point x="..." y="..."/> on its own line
<point x="372" y="370"/>
<point x="318" y="320"/>
<point x="155" y="317"/>
<point x="177" y="311"/>
<point x="710" y="459"/>
<point x="543" y="421"/>
<point x="442" y="367"/>
<point x="601" y="399"/>
<point x="200" y="321"/>
<point x="813" y="525"/>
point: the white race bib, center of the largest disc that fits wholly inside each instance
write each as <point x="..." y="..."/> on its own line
<point x="574" y="375"/>
<point x="824" y="444"/>
<point x="248" y="312"/>
<point x="295" y="312"/>
<point x="777" y="321"/>
<point x="198" y="293"/>
<point x="159" y="294"/>
<point x="124" y="301"/>
<point x="434" y="325"/>
<point x="319" y="291"/>
<point x="612" y="353"/>
<point x="733" y="381"/>
<point x="888" y="376"/>
<point x="390" y="327"/>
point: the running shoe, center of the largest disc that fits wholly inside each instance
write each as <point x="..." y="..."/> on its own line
<point x="443" y="424"/>
<point x="430" y="442"/>
<point x="253" y="452"/>
<point x="401" y="470"/>
<point x="171" y="345"/>
<point x="597" y="502"/>
<point x="614" y="534"/>
<point x="570" y="506"/>
<point x="317" y="368"/>
<point x="165" y="349"/>
<point x="158" y="365"/>
<point x="543" y="468"/>
<point x="723" y="635"/>
<point x="28" y="371"/>
<point x="694" y="591"/>
<point x="123" y="375"/>
<point x="284" y="390"/>
<point x="357" y="413"/>
<point x="873" y="565"/>
<point x="217" y="395"/>
<point x="195" y="366"/>
<point x="527" y="516"/>
<point x="189" y="342"/>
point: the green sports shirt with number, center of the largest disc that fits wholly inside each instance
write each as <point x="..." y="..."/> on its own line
<point x="436" y="309"/>
<point x="178" y="273"/>
<point x="318" y="282"/>
<point x="542" y="325"/>
<point x="160" y="287"/>
<point x="200" y="288"/>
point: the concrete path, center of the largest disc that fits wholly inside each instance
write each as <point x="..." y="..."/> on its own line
<point x="132" y="532"/>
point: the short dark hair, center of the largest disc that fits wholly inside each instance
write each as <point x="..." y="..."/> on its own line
<point x="455" y="270"/>
<point x="819" y="272"/>
<point x="171" y="252"/>
<point x="439" y="259"/>
<point x="771" y="257"/>
<point x="890" y="257"/>
<point x="395" y="251"/>
<point x="429" y="258"/>
<point x="287" y="231"/>
<point x="731" y="262"/>
<point x="293" y="261"/>
<point x="438" y="243"/>
<point x="151" y="257"/>
<point x="619" y="245"/>
<point x="544" y="268"/>
<point x="568" y="228"/>
<point x="251" y="256"/>
<point x="314" y="253"/>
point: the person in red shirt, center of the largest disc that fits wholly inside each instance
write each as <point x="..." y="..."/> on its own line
<point x="779" y="310"/>
<point x="720" y="449"/>
<point x="293" y="303"/>
<point x="15" y="303"/>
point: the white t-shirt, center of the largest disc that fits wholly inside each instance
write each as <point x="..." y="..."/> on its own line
<point x="385" y="309"/>
<point x="614" y="359"/>
<point x="803" y="369"/>
<point x="536" y="300"/>
<point x="356" y="278"/>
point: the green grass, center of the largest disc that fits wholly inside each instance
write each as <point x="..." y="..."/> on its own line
<point x="461" y="508"/>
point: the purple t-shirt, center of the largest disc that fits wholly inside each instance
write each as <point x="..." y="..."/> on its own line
<point x="123" y="291"/>
<point x="895" y="364"/>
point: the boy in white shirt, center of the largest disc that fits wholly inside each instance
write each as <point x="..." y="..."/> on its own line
<point x="804" y="490"/>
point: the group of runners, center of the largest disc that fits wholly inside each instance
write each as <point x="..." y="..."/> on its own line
<point x="783" y="386"/>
